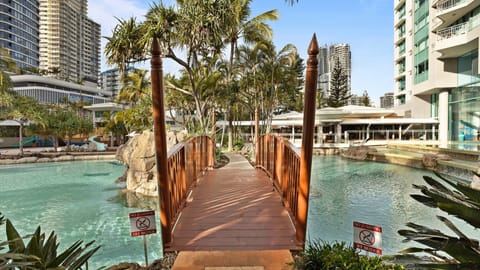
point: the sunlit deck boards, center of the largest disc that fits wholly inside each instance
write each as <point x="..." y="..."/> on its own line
<point x="233" y="208"/>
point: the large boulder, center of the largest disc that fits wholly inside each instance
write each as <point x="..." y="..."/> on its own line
<point x="430" y="160"/>
<point x="138" y="154"/>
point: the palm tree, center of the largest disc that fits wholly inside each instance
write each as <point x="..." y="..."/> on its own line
<point x="136" y="85"/>
<point x="123" y="47"/>
<point x="239" y="26"/>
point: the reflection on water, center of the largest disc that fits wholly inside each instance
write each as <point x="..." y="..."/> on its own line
<point x="134" y="200"/>
<point x="344" y="191"/>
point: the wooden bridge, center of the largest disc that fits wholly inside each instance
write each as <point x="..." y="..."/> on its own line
<point x="237" y="207"/>
<point x="234" y="207"/>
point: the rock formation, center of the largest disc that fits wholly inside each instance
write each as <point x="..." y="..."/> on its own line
<point x="138" y="154"/>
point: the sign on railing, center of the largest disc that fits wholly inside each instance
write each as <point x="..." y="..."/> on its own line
<point x="367" y="237"/>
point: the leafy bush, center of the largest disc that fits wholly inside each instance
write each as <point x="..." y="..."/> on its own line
<point x="41" y="252"/>
<point x="321" y="255"/>
<point x="463" y="202"/>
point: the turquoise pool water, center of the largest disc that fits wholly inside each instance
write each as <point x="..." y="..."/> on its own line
<point x="344" y="191"/>
<point x="79" y="201"/>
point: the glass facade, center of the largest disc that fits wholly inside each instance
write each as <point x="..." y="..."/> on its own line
<point x="464" y="101"/>
<point x="420" y="61"/>
<point x="19" y="31"/>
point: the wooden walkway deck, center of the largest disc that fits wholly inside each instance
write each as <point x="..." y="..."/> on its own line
<point x="234" y="208"/>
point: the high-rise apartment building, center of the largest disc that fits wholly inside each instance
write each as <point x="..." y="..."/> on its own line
<point x="111" y="80"/>
<point x="387" y="100"/>
<point x="19" y="31"/>
<point x="69" y="41"/>
<point x="327" y="57"/>
<point x="436" y="64"/>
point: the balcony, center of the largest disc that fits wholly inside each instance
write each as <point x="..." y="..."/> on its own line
<point x="452" y="31"/>
<point x="449" y="11"/>
<point x="457" y="40"/>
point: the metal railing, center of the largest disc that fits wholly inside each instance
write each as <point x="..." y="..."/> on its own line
<point x="280" y="159"/>
<point x="447" y="4"/>
<point x="452" y="31"/>
<point x="186" y="162"/>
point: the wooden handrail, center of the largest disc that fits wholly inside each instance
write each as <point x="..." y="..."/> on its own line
<point x="186" y="162"/>
<point x="280" y="159"/>
<point x="289" y="168"/>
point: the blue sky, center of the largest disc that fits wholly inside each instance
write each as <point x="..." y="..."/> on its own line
<point x="367" y="25"/>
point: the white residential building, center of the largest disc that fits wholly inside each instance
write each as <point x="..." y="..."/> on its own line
<point x="436" y="64"/>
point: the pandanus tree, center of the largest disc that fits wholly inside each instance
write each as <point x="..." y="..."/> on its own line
<point x="455" y="198"/>
<point x="191" y="28"/>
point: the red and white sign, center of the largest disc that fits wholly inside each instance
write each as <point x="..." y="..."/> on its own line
<point x="142" y="223"/>
<point x="367" y="237"/>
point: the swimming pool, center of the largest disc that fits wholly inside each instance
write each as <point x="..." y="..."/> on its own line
<point x="80" y="201"/>
<point x="343" y="191"/>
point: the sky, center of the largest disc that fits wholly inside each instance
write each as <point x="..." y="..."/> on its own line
<point x="367" y="25"/>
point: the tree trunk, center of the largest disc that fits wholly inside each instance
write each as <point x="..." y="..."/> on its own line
<point x="230" y="132"/>
<point x="20" y="138"/>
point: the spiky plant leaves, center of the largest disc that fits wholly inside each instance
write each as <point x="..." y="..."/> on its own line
<point x="41" y="253"/>
<point x="454" y="203"/>
<point x="15" y="242"/>
<point x="462" y="202"/>
<point x="471" y="193"/>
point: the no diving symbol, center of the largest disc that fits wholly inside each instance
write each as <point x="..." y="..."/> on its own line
<point x="367" y="237"/>
<point x="142" y="223"/>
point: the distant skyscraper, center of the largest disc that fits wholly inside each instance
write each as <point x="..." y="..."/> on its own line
<point x="69" y="41"/>
<point x="19" y="31"/>
<point x="326" y="61"/>
<point x="387" y="100"/>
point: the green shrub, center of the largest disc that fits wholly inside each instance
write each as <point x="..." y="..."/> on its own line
<point x="41" y="252"/>
<point x="321" y="255"/>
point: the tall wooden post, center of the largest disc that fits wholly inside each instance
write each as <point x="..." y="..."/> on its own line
<point x="160" y="141"/>
<point x="257" y="146"/>
<point x="307" y="139"/>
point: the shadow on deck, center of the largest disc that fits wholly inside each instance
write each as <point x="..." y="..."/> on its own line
<point x="235" y="207"/>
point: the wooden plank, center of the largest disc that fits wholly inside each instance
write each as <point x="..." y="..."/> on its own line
<point x="234" y="208"/>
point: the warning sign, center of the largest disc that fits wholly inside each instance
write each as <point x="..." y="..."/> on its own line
<point x="367" y="237"/>
<point x="142" y="223"/>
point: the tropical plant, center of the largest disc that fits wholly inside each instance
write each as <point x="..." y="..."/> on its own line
<point x="339" y="94"/>
<point x="41" y="252"/>
<point x="238" y="26"/>
<point x="136" y="86"/>
<point x="463" y="202"/>
<point x="133" y="118"/>
<point x="7" y="64"/>
<point x="322" y="255"/>
<point x="23" y="110"/>
<point x="366" y="99"/>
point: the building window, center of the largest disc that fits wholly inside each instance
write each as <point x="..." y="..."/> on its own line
<point x="401" y="48"/>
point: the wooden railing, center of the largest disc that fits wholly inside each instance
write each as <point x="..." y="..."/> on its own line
<point x="289" y="168"/>
<point x="280" y="159"/>
<point x="186" y="162"/>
